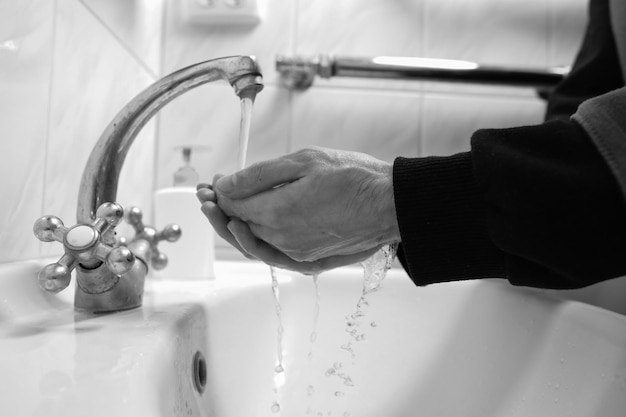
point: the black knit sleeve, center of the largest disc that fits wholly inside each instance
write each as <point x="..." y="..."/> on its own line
<point x="536" y="205"/>
<point x="442" y="219"/>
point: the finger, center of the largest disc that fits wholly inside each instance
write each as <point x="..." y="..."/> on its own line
<point x="259" y="177"/>
<point x="204" y="185"/>
<point x="219" y="221"/>
<point x="261" y="208"/>
<point x="215" y="178"/>
<point x="270" y="255"/>
<point x="265" y="252"/>
<point x="239" y="208"/>
<point x="206" y="194"/>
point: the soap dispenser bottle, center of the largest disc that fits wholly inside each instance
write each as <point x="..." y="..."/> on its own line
<point x="191" y="258"/>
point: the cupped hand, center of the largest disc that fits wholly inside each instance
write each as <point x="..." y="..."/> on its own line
<point x="238" y="234"/>
<point x="317" y="207"/>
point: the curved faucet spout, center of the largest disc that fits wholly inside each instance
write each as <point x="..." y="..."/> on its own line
<point x="101" y="174"/>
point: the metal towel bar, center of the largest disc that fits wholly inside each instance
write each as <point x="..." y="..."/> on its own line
<point x="299" y="72"/>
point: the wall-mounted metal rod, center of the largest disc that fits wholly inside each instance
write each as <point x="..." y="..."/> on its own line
<point x="299" y="72"/>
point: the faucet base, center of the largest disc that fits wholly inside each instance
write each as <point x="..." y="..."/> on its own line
<point x="125" y="295"/>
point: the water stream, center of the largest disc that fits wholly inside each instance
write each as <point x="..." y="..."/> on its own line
<point x="247" y="104"/>
<point x="316" y="314"/>
<point x="310" y="389"/>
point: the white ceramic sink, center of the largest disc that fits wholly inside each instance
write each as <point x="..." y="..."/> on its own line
<point x="463" y="349"/>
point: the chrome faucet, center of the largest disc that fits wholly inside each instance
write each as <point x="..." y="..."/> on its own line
<point x="110" y="276"/>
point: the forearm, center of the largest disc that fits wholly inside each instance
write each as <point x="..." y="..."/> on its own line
<point x="536" y="205"/>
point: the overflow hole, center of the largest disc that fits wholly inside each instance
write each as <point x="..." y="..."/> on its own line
<point x="199" y="372"/>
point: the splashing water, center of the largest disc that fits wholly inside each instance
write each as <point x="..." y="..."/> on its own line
<point x="374" y="272"/>
<point x="376" y="266"/>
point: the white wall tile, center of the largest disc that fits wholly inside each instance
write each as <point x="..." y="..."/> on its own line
<point x="93" y="78"/>
<point x="362" y="28"/>
<point x="495" y="32"/>
<point x="381" y="124"/>
<point x="448" y="121"/>
<point x="568" y="19"/>
<point x="26" y="29"/>
<point x="136" y="24"/>
<point x="186" y="44"/>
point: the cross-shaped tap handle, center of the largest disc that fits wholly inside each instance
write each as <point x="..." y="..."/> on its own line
<point x="83" y="244"/>
<point x="171" y="233"/>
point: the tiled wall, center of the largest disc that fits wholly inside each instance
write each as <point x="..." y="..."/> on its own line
<point x="67" y="66"/>
<point x="64" y="74"/>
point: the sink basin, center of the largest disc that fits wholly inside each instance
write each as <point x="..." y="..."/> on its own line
<point x="476" y="348"/>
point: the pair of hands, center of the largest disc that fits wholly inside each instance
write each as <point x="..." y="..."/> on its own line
<point x="309" y="211"/>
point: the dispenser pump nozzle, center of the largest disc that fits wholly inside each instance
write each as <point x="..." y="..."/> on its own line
<point x="186" y="176"/>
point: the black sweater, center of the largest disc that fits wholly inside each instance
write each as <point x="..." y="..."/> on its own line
<point x="536" y="205"/>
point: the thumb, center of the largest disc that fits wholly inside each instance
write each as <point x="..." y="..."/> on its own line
<point x="259" y="177"/>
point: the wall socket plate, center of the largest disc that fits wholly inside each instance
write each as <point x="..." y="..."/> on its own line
<point x="222" y="12"/>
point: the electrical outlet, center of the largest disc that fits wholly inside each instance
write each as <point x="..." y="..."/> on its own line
<point x="222" y="12"/>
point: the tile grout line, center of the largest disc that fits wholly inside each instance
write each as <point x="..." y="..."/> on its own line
<point x="422" y="89"/>
<point x="119" y="40"/>
<point x="157" y="118"/>
<point x="46" y="152"/>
